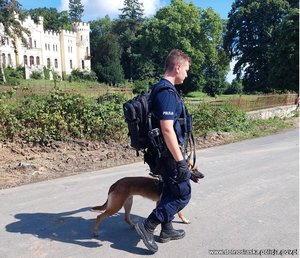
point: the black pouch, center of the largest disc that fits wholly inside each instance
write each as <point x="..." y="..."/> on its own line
<point x="155" y="162"/>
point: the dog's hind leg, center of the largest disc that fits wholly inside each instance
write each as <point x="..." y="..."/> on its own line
<point x="98" y="222"/>
<point x="114" y="204"/>
<point x="127" y="208"/>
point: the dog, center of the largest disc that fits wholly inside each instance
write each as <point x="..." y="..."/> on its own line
<point x="121" y="193"/>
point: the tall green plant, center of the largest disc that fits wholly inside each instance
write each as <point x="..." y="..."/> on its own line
<point x="250" y="39"/>
<point x="76" y="10"/>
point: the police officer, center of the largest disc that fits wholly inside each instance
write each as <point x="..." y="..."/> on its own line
<point x="168" y="107"/>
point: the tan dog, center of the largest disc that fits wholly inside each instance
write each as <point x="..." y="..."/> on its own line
<point x="121" y="194"/>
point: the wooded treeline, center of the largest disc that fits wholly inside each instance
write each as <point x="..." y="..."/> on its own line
<point x="260" y="35"/>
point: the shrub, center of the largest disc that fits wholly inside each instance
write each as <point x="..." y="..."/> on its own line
<point x="46" y="73"/>
<point x="78" y="75"/>
<point x="224" y="118"/>
<point x="14" y="75"/>
<point x="36" y="75"/>
<point x="141" y="85"/>
<point x="61" y="116"/>
<point x="236" y="87"/>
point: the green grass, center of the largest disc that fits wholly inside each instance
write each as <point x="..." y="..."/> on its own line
<point x="243" y="102"/>
<point x="261" y="127"/>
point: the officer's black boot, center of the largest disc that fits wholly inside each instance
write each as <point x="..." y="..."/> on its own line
<point x="145" y="229"/>
<point x="169" y="233"/>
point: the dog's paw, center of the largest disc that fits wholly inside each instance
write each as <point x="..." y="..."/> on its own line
<point x="185" y="221"/>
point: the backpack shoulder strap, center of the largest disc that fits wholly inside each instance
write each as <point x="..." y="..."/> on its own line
<point x="156" y="88"/>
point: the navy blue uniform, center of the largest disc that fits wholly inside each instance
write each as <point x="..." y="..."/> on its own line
<point x="168" y="105"/>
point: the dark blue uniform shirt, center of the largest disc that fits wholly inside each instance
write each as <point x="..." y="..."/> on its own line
<point x="168" y="105"/>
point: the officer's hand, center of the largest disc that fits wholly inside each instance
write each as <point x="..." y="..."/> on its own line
<point x="182" y="170"/>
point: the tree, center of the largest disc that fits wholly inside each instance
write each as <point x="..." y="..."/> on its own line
<point x="106" y="52"/>
<point x="184" y="26"/>
<point x="132" y="10"/>
<point x="107" y="60"/>
<point x="76" y="10"/>
<point x="284" y="54"/>
<point x="53" y="20"/>
<point x="11" y="25"/>
<point x="173" y="26"/>
<point x="250" y="36"/>
<point x="216" y="63"/>
<point x="12" y="28"/>
<point x="129" y="22"/>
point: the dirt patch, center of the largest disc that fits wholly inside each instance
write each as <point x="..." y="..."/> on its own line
<point x="23" y="164"/>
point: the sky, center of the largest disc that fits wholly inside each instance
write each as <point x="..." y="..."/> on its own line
<point x="94" y="9"/>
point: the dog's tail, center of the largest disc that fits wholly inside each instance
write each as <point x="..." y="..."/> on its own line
<point x="100" y="208"/>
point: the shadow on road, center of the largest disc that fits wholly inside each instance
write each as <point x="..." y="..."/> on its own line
<point x="68" y="228"/>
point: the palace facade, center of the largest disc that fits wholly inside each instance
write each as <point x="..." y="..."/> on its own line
<point x="60" y="52"/>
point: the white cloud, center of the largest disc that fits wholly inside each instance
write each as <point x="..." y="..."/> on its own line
<point x="94" y="9"/>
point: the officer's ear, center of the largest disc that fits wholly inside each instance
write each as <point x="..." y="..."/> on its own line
<point x="177" y="68"/>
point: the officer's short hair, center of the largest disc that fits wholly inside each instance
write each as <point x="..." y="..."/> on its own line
<point x="176" y="56"/>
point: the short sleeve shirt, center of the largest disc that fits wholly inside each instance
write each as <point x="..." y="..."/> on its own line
<point x="167" y="105"/>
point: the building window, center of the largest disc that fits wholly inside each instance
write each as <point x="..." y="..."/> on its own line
<point x="81" y="37"/>
<point x="71" y="64"/>
<point x="35" y="44"/>
<point x="9" y="61"/>
<point x="53" y="47"/>
<point x="48" y="63"/>
<point x="3" y="60"/>
<point x="31" y="60"/>
<point x="55" y="63"/>
<point x="25" y="60"/>
<point x="37" y="60"/>
<point x="30" y="43"/>
<point x="82" y="64"/>
<point x="46" y="46"/>
<point x="56" y="48"/>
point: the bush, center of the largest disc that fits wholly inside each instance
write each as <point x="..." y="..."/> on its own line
<point x="46" y="73"/>
<point x="61" y="116"/>
<point x="236" y="87"/>
<point x="36" y="75"/>
<point x="224" y="118"/>
<point x="142" y="85"/>
<point x="14" y="75"/>
<point x="78" y="75"/>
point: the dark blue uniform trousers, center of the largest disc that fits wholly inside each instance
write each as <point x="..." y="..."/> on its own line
<point x="175" y="196"/>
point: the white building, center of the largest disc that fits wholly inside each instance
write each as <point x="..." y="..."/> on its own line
<point x="61" y="52"/>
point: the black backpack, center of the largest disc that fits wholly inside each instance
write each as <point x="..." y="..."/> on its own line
<point x="144" y="131"/>
<point x="138" y="116"/>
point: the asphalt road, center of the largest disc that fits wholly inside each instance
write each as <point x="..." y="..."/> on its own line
<point x="248" y="202"/>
